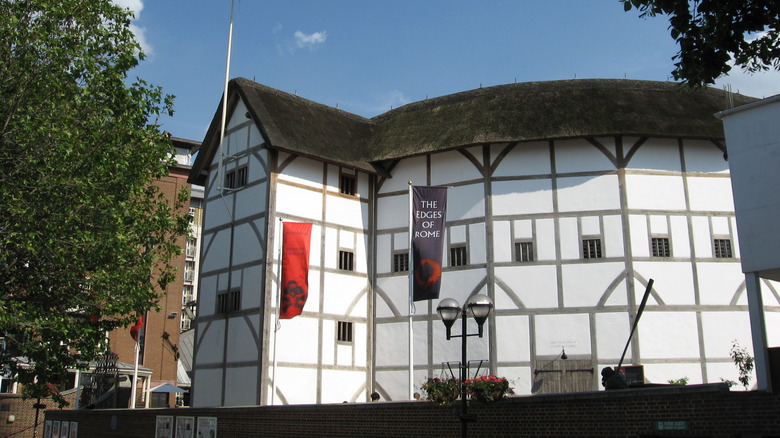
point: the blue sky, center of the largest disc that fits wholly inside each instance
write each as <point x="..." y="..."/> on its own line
<point x="368" y="56"/>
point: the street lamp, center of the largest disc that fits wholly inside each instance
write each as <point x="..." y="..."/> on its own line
<point x="478" y="307"/>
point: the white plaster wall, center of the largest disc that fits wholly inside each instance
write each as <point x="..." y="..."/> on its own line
<point x="396" y="291"/>
<point x="346" y="211"/>
<point x="384" y="253"/>
<point x="702" y="237"/>
<point x="248" y="242"/>
<point x="398" y="204"/>
<point x="211" y="339"/>
<point x="588" y="193"/>
<point x="706" y="194"/>
<point x="524" y="159"/>
<point x="241" y="386"/>
<point x="640" y="241"/>
<point x="339" y="386"/>
<point x="534" y="285"/>
<point x="673" y="282"/>
<point x="655" y="154"/>
<point x="655" y="192"/>
<point x="410" y="169"/>
<point x="297" y="385"/>
<point x="721" y="329"/>
<point x="664" y="335"/>
<point x="556" y="332"/>
<point x="613" y="236"/>
<point x="302" y="171"/>
<point x="586" y="284"/>
<point x="703" y="156"/>
<point x="612" y="330"/>
<point x="394" y="344"/>
<point x="299" y="202"/>
<point x="207" y="387"/>
<point x="662" y="373"/>
<point x="520" y="378"/>
<point x="522" y="196"/>
<point x="569" y="238"/>
<point x="449" y="167"/>
<point x="719" y="282"/>
<point x="477" y="244"/>
<point x="297" y="341"/>
<point x="545" y="239"/>
<point x="250" y="200"/>
<point x="242" y="339"/>
<point x="341" y="291"/>
<point x="680" y="239"/>
<point x="502" y="241"/>
<point x="465" y="202"/>
<point x="513" y="343"/>
<point x="580" y="156"/>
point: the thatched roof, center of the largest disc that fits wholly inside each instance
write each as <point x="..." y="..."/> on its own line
<point x="506" y="113"/>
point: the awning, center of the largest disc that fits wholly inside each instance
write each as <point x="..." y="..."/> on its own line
<point x="167" y="387"/>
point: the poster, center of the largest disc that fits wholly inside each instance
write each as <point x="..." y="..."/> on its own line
<point x="164" y="427"/>
<point x="207" y="427"/>
<point x="65" y="429"/>
<point x="185" y="427"/>
<point x="74" y="429"/>
<point x="47" y="429"/>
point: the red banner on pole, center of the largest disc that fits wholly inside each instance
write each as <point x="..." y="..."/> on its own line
<point x="134" y="330"/>
<point x="429" y="213"/>
<point x="296" y="240"/>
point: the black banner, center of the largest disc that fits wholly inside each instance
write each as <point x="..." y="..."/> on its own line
<point x="429" y="212"/>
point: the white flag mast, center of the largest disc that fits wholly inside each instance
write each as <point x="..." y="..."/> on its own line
<point x="220" y="182"/>
<point x="410" y="265"/>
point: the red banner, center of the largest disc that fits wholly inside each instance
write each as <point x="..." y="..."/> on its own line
<point x="296" y="240"/>
<point x="136" y="329"/>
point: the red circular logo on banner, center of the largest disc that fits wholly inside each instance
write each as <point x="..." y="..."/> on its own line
<point x="427" y="273"/>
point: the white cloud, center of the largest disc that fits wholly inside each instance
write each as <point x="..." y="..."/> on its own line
<point x="136" y="6"/>
<point x="760" y="84"/>
<point x="310" y="40"/>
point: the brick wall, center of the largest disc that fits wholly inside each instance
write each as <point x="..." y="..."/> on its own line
<point x="24" y="414"/>
<point x="702" y="410"/>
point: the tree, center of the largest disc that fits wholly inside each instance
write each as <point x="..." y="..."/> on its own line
<point x="85" y="238"/>
<point x="712" y="33"/>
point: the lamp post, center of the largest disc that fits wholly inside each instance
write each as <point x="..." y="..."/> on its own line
<point x="479" y="308"/>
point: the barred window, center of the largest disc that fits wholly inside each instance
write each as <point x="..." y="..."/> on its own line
<point x="235" y="179"/>
<point x="401" y="262"/>
<point x="660" y="246"/>
<point x="348" y="184"/>
<point x="723" y="248"/>
<point x="458" y="256"/>
<point x="346" y="260"/>
<point x="524" y="251"/>
<point x="229" y="301"/>
<point x="591" y="248"/>
<point x="344" y="331"/>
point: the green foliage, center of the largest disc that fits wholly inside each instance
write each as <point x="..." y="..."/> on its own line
<point x="441" y="391"/>
<point x="681" y="381"/>
<point x="713" y="32"/>
<point x="85" y="237"/>
<point x="744" y="362"/>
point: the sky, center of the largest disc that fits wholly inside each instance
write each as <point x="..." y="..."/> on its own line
<point x="369" y="56"/>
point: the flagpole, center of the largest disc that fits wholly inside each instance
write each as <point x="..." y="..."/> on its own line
<point x="277" y="323"/>
<point x="135" y="377"/>
<point x="220" y="182"/>
<point x="411" y="299"/>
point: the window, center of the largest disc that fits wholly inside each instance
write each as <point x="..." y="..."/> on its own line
<point x="186" y="323"/>
<point x="723" y="248"/>
<point x="235" y="179"/>
<point x="346" y="260"/>
<point x="458" y="256"/>
<point x="524" y="251"/>
<point x="348" y="183"/>
<point x="591" y="248"/>
<point x="229" y="301"/>
<point x="192" y="247"/>
<point x="401" y="262"/>
<point x="344" y="332"/>
<point x="660" y="246"/>
<point x="191" y="213"/>
<point x="189" y="271"/>
<point x="186" y="295"/>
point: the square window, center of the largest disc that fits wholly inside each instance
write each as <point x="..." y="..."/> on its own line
<point x="401" y="262"/>
<point x="723" y="248"/>
<point x="241" y="176"/>
<point x="230" y="180"/>
<point x="346" y="260"/>
<point x="189" y="271"/>
<point x="192" y="247"/>
<point x="458" y="256"/>
<point x="660" y="246"/>
<point x="591" y="248"/>
<point x="344" y="332"/>
<point x="229" y="301"/>
<point x="348" y="184"/>
<point x="524" y="251"/>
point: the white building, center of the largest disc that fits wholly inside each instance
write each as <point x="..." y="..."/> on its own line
<point x="565" y="198"/>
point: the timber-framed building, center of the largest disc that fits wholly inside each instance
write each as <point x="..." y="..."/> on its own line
<point x="565" y="199"/>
